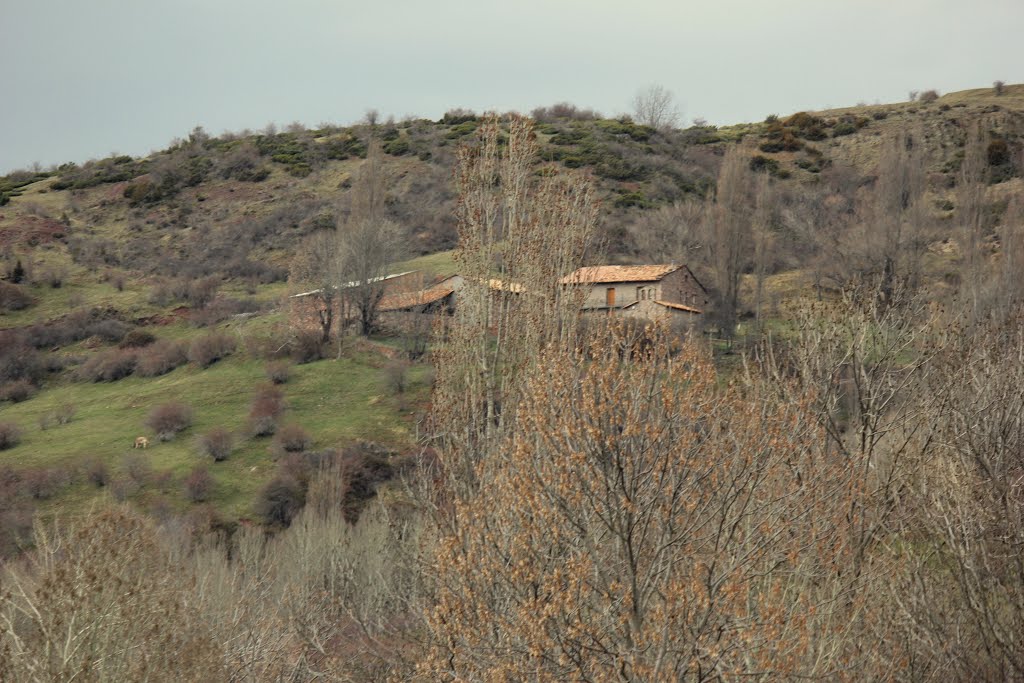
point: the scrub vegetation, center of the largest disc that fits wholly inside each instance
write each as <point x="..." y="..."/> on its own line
<point x="822" y="480"/>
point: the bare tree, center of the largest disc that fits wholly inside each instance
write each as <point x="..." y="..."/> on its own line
<point x="1011" y="233"/>
<point x="728" y="242"/>
<point x="344" y="269"/>
<point x="368" y="242"/>
<point x="970" y="214"/>
<point x="519" y="234"/>
<point x="671" y="232"/>
<point x="101" y="600"/>
<point x="313" y="273"/>
<point x="366" y="250"/>
<point x="819" y="219"/>
<point x="655" y="106"/>
<point x="865" y="359"/>
<point x="960" y="591"/>
<point x="761" y="228"/>
<point x="889" y="230"/>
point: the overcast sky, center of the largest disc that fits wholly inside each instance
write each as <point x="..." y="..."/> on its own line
<point x="81" y="79"/>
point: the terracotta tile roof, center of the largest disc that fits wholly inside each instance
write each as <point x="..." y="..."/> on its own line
<point x="602" y="274"/>
<point x="678" y="307"/>
<point x="403" y="300"/>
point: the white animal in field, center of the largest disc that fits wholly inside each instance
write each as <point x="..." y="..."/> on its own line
<point x="141" y="442"/>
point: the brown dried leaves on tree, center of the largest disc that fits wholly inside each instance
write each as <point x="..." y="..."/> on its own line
<point x="644" y="524"/>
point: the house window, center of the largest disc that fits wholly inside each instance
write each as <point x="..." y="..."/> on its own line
<point x="641" y="293"/>
<point x="609" y="297"/>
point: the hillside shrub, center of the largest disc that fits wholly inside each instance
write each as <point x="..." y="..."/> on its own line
<point x="306" y="346"/>
<point x="280" y="501"/>
<point x="19" y="360"/>
<point x="53" y="278"/>
<point x="366" y="466"/>
<point x="396" y="374"/>
<point x="997" y="152"/>
<point x="61" y="415"/>
<point x="398" y="147"/>
<point x="10" y="435"/>
<point x="161" y="357"/>
<point x="202" y="291"/>
<point x="136" y="339"/>
<point x="458" y="115"/>
<point x="267" y="407"/>
<point x="122" y="488"/>
<point x="13" y="297"/>
<point x="109" y="366"/>
<point x="243" y="163"/>
<point x="17" y="391"/>
<point x="110" y="170"/>
<point x="222" y="308"/>
<point x="167" y="419"/>
<point x="461" y="130"/>
<point x="207" y="350"/>
<point x="802" y="120"/>
<point x="198" y="485"/>
<point x="162" y="480"/>
<point x="216" y="444"/>
<point x="96" y="472"/>
<point x="928" y="96"/>
<point x="75" y="326"/>
<point x="109" y="330"/>
<point x="635" y="198"/>
<point x="42" y="483"/>
<point x="138" y="468"/>
<point x="291" y="438"/>
<point x="762" y="164"/>
<point x="563" y="111"/>
<point x="843" y="128"/>
<point x="278" y="371"/>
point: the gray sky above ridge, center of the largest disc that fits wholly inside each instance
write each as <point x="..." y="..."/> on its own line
<point x="85" y="78"/>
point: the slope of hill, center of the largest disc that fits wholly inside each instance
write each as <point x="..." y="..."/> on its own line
<point x="198" y="238"/>
<point x="237" y="204"/>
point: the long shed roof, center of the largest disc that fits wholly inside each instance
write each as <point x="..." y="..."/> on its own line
<point x="403" y="300"/>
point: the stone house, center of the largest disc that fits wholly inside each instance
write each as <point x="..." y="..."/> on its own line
<point x="305" y="308"/>
<point x="667" y="293"/>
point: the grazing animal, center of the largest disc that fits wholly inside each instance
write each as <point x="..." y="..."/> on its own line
<point x="141" y="442"/>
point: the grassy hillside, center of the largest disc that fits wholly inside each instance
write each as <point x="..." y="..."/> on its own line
<point x="337" y="401"/>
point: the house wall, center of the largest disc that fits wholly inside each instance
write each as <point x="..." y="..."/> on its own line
<point x="625" y="293"/>
<point x="303" y="311"/>
<point x="681" y="287"/>
<point x="648" y="310"/>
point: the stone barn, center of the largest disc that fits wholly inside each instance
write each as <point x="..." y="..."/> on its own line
<point x="437" y="298"/>
<point x="668" y="293"/>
